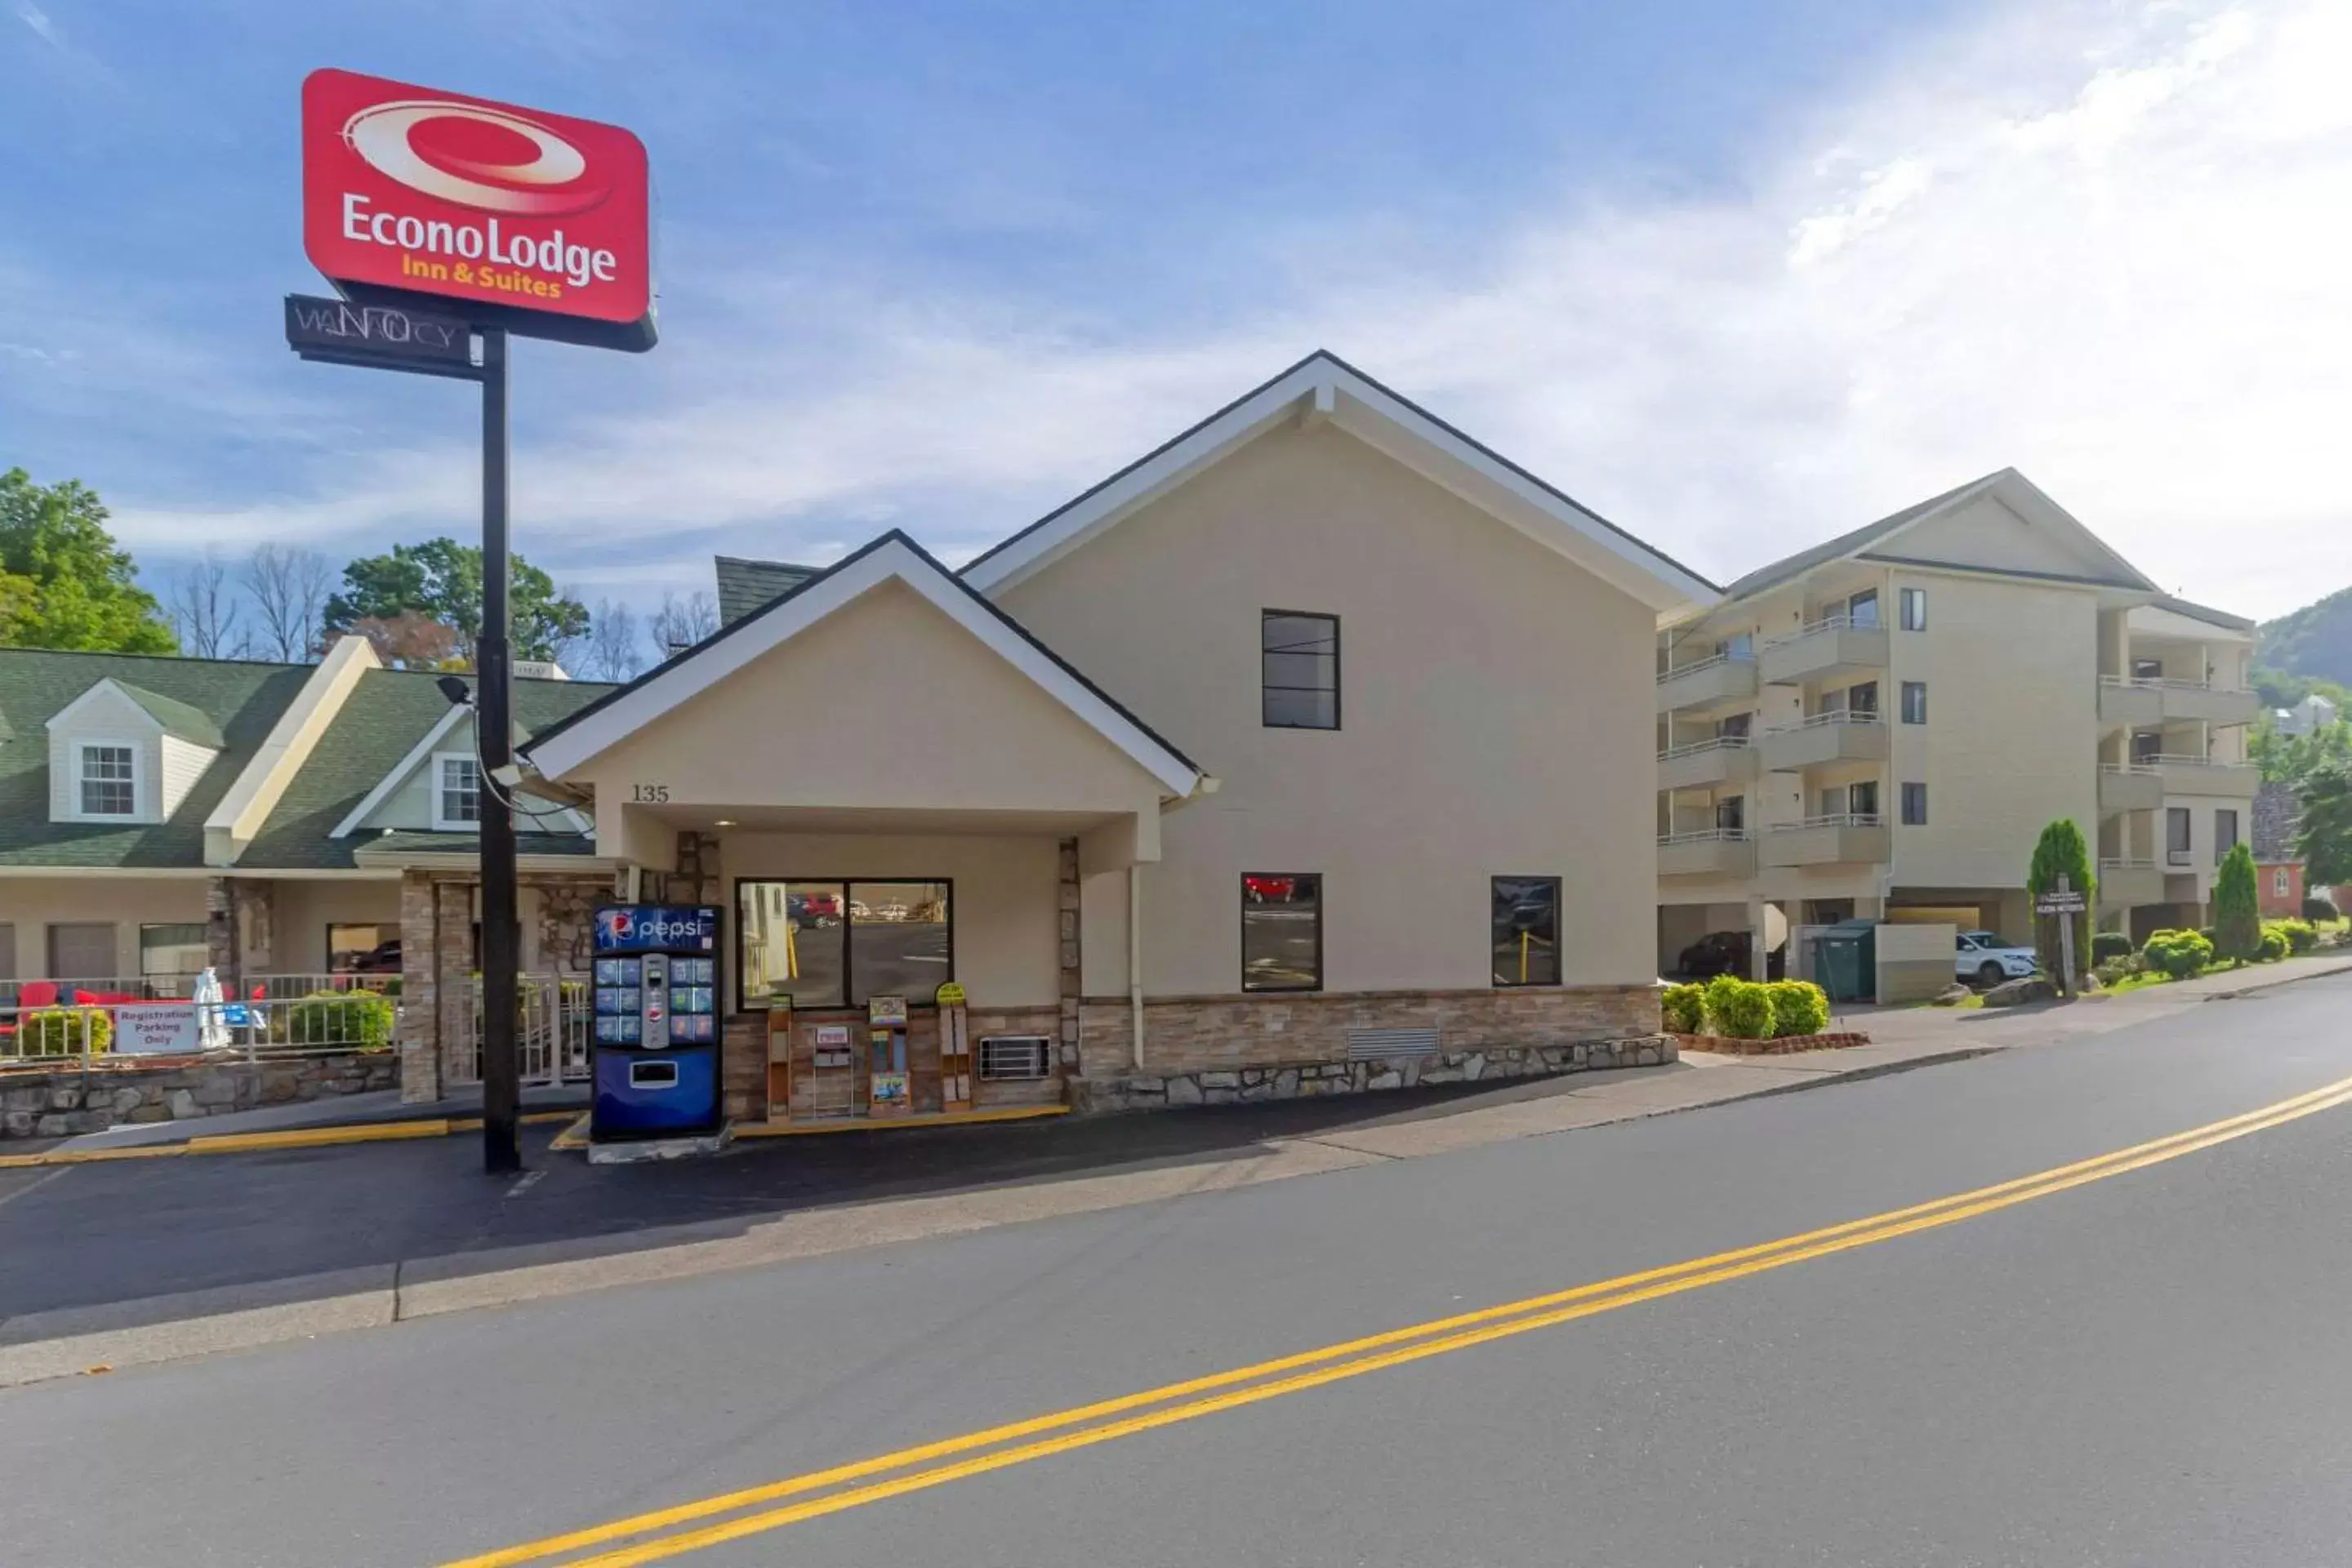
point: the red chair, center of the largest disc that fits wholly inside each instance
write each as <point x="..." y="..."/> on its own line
<point x="37" y="993"/>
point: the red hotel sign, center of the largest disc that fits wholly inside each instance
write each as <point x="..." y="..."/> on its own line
<point x="434" y="194"/>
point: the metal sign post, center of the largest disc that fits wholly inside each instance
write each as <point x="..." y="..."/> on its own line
<point x="494" y="742"/>
<point x="2064" y="902"/>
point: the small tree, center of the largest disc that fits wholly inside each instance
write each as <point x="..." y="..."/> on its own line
<point x="2323" y="833"/>
<point x="2061" y="853"/>
<point x="2237" y="906"/>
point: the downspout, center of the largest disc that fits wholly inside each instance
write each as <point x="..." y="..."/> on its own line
<point x="1135" y="957"/>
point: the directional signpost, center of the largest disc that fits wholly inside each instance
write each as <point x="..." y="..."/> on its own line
<point x="2065" y="901"/>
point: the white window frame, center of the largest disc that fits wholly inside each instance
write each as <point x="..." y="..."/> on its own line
<point x="80" y="752"/>
<point x="442" y="821"/>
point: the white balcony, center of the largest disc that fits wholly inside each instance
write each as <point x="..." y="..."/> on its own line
<point x="1835" y="648"/>
<point x="1723" y="852"/>
<point x="1841" y="735"/>
<point x="2126" y="884"/>
<point x="2129" y="704"/>
<point x="1728" y="760"/>
<point x="1856" y="838"/>
<point x="1721" y="682"/>
<point x="2132" y="787"/>
<point x="2194" y="701"/>
<point x="2202" y="776"/>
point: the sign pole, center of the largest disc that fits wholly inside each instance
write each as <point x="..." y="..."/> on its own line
<point x="2066" y="936"/>
<point x="494" y="742"/>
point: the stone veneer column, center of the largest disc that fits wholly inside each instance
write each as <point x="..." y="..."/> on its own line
<point x="420" y="1021"/>
<point x="452" y="961"/>
<point x="221" y="948"/>
<point x="1070" y="954"/>
<point x="695" y="880"/>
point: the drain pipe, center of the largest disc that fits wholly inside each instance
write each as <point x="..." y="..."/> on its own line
<point x="1135" y="957"/>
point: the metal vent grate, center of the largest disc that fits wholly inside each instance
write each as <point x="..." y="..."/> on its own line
<point x="1005" y="1057"/>
<point x="1370" y="1045"/>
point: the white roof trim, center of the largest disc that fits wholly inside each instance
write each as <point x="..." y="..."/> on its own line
<point x="2021" y="495"/>
<point x="1378" y="417"/>
<point x="892" y="559"/>
<point x="400" y="771"/>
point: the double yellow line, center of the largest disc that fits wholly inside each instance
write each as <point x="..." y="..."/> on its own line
<point x="673" y="1531"/>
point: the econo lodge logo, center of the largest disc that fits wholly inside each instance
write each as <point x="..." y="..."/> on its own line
<point x="437" y="193"/>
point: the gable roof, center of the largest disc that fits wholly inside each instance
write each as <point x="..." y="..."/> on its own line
<point x="620" y="712"/>
<point x="238" y="699"/>
<point x="1325" y="387"/>
<point x="2205" y="613"/>
<point x="745" y="585"/>
<point x="178" y="720"/>
<point x="379" y="726"/>
<point x="2010" y="486"/>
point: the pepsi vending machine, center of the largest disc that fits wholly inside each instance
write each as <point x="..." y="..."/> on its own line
<point x="656" y="1021"/>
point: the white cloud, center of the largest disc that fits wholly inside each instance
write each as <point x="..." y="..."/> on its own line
<point x="2103" y="244"/>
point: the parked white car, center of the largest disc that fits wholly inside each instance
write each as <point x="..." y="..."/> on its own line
<point x="1987" y="960"/>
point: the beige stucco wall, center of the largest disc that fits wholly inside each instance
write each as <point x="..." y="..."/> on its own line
<point x="303" y="909"/>
<point x="1002" y="907"/>
<point x="885" y="704"/>
<point x="31" y="904"/>
<point x="2010" y="742"/>
<point x="1496" y="702"/>
<point x="1986" y="533"/>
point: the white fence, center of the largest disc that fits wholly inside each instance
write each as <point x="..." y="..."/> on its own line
<point x="87" y="1024"/>
<point x="552" y="1014"/>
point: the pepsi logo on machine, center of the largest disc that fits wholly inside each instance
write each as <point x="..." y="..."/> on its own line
<point x="656" y="928"/>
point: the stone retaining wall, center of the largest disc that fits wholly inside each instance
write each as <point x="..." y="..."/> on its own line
<point x="68" y="1101"/>
<point x="1730" y="1046"/>
<point x="1217" y="1086"/>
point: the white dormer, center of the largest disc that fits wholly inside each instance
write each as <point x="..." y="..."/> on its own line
<point x="437" y="788"/>
<point x="119" y="754"/>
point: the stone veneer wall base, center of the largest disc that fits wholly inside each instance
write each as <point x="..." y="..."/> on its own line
<point x="1229" y="1085"/>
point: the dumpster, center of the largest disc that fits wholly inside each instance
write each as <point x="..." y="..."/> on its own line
<point x="1846" y="961"/>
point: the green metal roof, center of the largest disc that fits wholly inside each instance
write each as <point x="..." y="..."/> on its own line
<point x="236" y="701"/>
<point x="387" y="713"/>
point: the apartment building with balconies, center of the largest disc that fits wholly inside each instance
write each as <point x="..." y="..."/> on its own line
<point x="1880" y="726"/>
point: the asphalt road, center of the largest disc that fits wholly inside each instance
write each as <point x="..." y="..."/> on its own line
<point x="2147" y="1367"/>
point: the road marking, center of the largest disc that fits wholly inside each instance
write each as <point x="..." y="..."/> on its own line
<point x="254" y="1142"/>
<point x="1087" y="1425"/>
<point x="529" y="1179"/>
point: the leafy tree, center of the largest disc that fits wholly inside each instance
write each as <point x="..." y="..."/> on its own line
<point x="2289" y="759"/>
<point x="2237" y="906"/>
<point x="2323" y="834"/>
<point x="2060" y="852"/>
<point x="441" y="580"/>
<point x="64" y="583"/>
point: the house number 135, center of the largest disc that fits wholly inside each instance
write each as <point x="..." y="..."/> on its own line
<point x="645" y="794"/>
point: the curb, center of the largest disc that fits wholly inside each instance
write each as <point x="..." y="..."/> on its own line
<point x="2284" y="980"/>
<point x="76" y="1341"/>
<point x="258" y="1143"/>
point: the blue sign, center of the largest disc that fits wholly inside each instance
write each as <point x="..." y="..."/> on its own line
<point x="656" y="928"/>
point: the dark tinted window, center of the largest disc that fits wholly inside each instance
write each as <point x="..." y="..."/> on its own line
<point x="1282" y="931"/>
<point x="1300" y="670"/>
<point x="1526" y="931"/>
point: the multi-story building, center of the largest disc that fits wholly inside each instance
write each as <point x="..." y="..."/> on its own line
<point x="1882" y="724"/>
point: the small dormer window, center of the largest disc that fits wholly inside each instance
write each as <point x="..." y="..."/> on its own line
<point x="106" y="774"/>
<point x="457" y="791"/>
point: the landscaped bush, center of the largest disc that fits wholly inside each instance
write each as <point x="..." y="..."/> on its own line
<point x="2178" y="954"/>
<point x="2109" y="944"/>
<point x="2271" y="946"/>
<point x="1739" y="1009"/>
<point x="1684" y="1008"/>
<point x="360" y="1020"/>
<point x="62" y="1031"/>
<point x="2302" y="936"/>
<point x="2318" y="909"/>
<point x="2109" y="971"/>
<point x="1799" y="1007"/>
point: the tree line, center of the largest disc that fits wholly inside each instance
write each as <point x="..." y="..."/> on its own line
<point x="66" y="583"/>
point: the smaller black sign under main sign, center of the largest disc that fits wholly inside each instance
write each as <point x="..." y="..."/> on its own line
<point x="383" y="335"/>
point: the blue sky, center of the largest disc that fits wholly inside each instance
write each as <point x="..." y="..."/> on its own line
<point x="1738" y="275"/>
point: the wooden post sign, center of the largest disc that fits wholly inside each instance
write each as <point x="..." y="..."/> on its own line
<point x="955" y="1050"/>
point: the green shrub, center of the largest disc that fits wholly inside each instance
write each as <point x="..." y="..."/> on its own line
<point x="2107" y="972"/>
<point x="2302" y="936"/>
<point x="1799" y="1007"/>
<point x="2107" y="944"/>
<point x="2318" y="909"/>
<point x="1683" y="1009"/>
<point x="61" y="1031"/>
<point x="360" y="1020"/>
<point x="2271" y="946"/>
<point x="1739" y="1009"/>
<point x="2237" y="906"/>
<point x="2179" y="953"/>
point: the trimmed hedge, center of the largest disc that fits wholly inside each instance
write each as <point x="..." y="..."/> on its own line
<point x="1743" y="1010"/>
<point x="2179" y="953"/>
<point x="2271" y="946"/>
<point x="61" y="1031"/>
<point x="1683" y="1009"/>
<point x="360" y="1020"/>
<point x="1799" y="1007"/>
<point x="2302" y="936"/>
<point x="2107" y="944"/>
<point x="2315" y="908"/>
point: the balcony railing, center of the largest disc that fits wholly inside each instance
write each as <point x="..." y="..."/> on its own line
<point x="1704" y="836"/>
<point x="1677" y="671"/>
<point x="1833" y="819"/>
<point x="1840" y="622"/>
<point x="1701" y="748"/>
<point x="1827" y="717"/>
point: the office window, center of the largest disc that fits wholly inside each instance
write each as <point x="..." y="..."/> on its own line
<point x="1914" y="805"/>
<point x="1526" y="931"/>
<point x="1862" y="609"/>
<point x="2175" y="835"/>
<point x="2280" y="879"/>
<point x="178" y="949"/>
<point x="1282" y="931"/>
<point x="1915" y="702"/>
<point x="2225" y="833"/>
<point x="82" y="950"/>
<point x="109" y="778"/>
<point x="1912" y="606"/>
<point x="363" y="949"/>
<point x="1298" y="670"/>
<point x="457" y="791"/>
<point x="841" y="944"/>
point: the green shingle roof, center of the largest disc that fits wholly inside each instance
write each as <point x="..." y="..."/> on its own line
<point x="236" y="702"/>
<point x="387" y="713"/>
<point x="179" y="721"/>
<point x="747" y="585"/>
<point x="407" y="842"/>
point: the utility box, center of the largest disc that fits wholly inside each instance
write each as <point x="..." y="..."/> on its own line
<point x="1846" y="961"/>
<point x="1916" y="961"/>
